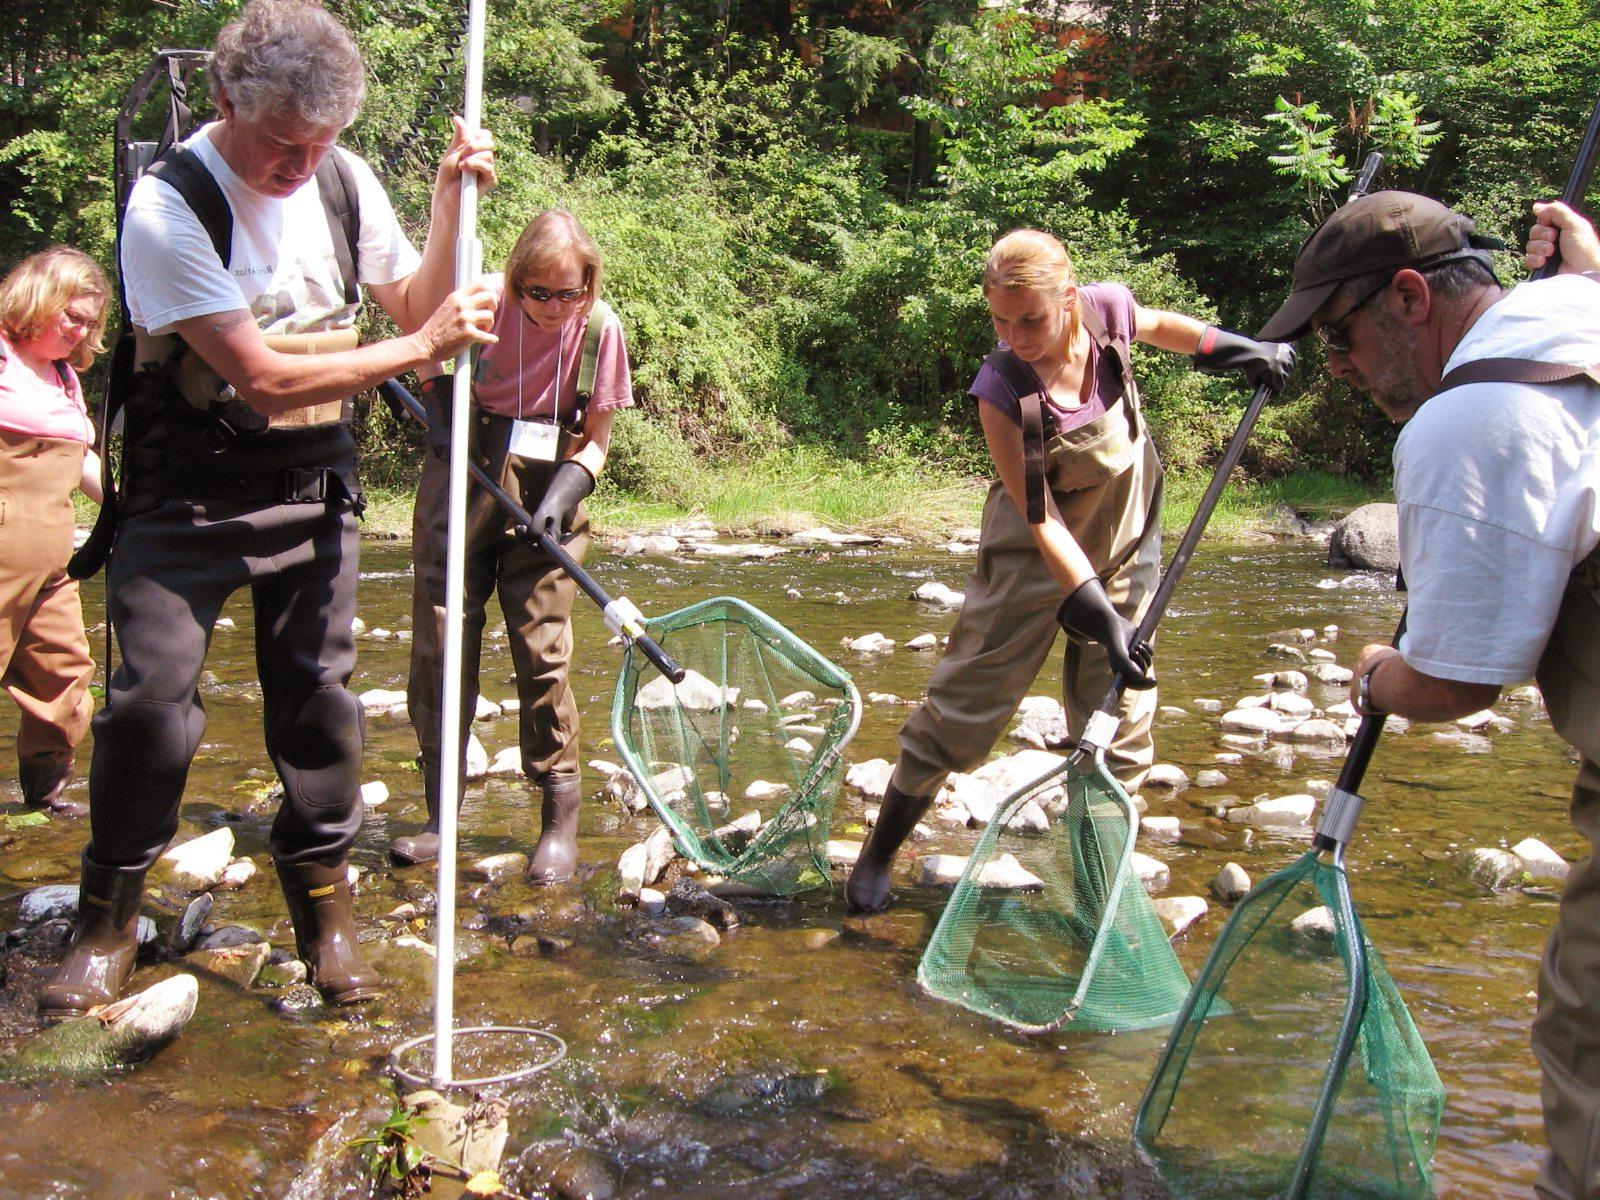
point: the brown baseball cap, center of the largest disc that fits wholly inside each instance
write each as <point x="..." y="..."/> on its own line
<point x="1384" y="231"/>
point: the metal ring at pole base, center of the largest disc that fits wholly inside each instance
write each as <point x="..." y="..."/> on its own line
<point x="414" y="1079"/>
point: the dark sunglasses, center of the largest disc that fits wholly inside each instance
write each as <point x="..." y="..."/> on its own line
<point x="540" y="295"/>
<point x="1335" y="334"/>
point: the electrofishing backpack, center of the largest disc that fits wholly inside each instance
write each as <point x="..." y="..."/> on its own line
<point x="165" y="157"/>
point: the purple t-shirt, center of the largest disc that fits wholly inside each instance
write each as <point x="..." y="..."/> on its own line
<point x="1115" y="305"/>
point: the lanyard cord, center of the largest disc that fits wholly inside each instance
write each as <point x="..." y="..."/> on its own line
<point x="561" y="339"/>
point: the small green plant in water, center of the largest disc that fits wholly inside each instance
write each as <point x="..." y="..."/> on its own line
<point x="396" y="1162"/>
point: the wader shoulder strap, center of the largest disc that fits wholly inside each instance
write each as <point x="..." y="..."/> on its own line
<point x="341" y="202"/>
<point x="590" y="358"/>
<point x="1025" y="386"/>
<point x="1516" y="370"/>
<point x="181" y="169"/>
<point x="1117" y="347"/>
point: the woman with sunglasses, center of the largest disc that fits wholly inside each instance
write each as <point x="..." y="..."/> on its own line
<point x="544" y="442"/>
<point x="52" y="317"/>
<point x="1071" y="529"/>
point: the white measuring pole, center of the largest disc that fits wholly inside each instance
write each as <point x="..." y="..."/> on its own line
<point x="469" y="265"/>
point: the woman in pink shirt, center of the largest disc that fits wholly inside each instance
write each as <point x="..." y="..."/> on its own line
<point x="544" y="442"/>
<point x="52" y="316"/>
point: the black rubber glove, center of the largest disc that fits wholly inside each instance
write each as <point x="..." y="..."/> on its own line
<point x="568" y="487"/>
<point x="1263" y="363"/>
<point x="1088" y="614"/>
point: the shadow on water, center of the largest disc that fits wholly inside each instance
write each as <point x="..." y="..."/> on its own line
<point x="797" y="1058"/>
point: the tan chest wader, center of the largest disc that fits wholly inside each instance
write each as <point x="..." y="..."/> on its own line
<point x="1106" y="480"/>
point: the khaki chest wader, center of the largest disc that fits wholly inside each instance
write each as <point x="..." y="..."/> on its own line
<point x="1106" y="479"/>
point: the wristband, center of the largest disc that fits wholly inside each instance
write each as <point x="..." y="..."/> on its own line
<point x="1364" y="704"/>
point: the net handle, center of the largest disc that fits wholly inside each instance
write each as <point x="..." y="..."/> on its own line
<point x="621" y="608"/>
<point x="1577" y="184"/>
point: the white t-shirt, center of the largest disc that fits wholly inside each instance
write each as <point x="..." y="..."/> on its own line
<point x="283" y="267"/>
<point x="1498" y="486"/>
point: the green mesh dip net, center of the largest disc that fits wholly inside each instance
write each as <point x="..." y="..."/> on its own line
<point x="1049" y="925"/>
<point x="1295" y="1069"/>
<point x="742" y="760"/>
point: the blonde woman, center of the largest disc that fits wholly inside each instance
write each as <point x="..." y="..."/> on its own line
<point x="52" y="318"/>
<point x="1071" y="528"/>
<point x="544" y="440"/>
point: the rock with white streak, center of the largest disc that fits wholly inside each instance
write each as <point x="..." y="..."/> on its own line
<point x="923" y="641"/>
<point x="197" y="865"/>
<point x="1282" y="812"/>
<point x="939" y="595"/>
<point x="1540" y="861"/>
<point x="1178" y="913"/>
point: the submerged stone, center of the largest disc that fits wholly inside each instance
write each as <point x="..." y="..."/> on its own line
<point x="116" y="1035"/>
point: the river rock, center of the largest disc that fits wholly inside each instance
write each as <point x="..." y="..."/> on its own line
<point x="1291" y="704"/>
<point x="648" y="543"/>
<point x="382" y="700"/>
<point x="187" y="931"/>
<point x="651" y="902"/>
<point x="198" y="864"/>
<point x="485" y="709"/>
<point x="696" y="693"/>
<point x="939" y="595"/>
<point x="1178" y="913"/>
<point x="1328" y="672"/>
<point x="579" y="1173"/>
<point x="1209" y="778"/>
<point x="1243" y="741"/>
<point x="1245" y="703"/>
<point x="1232" y="884"/>
<point x="477" y="758"/>
<point x="468" y="1139"/>
<point x="762" y="790"/>
<point x="1540" y="861"/>
<point x="685" y="937"/>
<point x="1041" y="723"/>
<point x="119" y="1034"/>
<point x="1285" y="650"/>
<point x="1312" y="931"/>
<point x="1368" y="539"/>
<point x="1206" y="704"/>
<point x="1167" y="775"/>
<point x="841" y="854"/>
<point x="237" y="873"/>
<point x="47" y="903"/>
<point x="1527" y="694"/>
<point x="1161" y="829"/>
<point x="1252" y="721"/>
<point x="1483" y="719"/>
<point x="869" y="643"/>
<point x="373" y="794"/>
<point x="238" y="964"/>
<point x="1316" y="732"/>
<point x="1152" y="872"/>
<point x="1029" y="818"/>
<point x="496" y="867"/>
<point x="1492" y="869"/>
<point x="870" y="778"/>
<point x="1283" y="812"/>
<point x="799" y="747"/>
<point x="739" y="833"/>
<point x="923" y="641"/>
<point x="688" y="898"/>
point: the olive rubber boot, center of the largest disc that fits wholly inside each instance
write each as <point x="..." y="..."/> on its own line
<point x="104" y="943"/>
<point x="322" y="912"/>
<point x="867" y="889"/>
<point x="43" y="778"/>
<point x="556" y="856"/>
<point x="423" y="846"/>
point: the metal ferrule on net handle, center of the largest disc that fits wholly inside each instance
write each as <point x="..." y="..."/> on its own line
<point x="621" y="615"/>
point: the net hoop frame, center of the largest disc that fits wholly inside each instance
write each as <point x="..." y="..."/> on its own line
<point x="816" y="663"/>
<point x="997" y="823"/>
<point x="558" y="1051"/>
<point x="1352" y="947"/>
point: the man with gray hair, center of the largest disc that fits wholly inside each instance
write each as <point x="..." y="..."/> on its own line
<point x="1497" y="477"/>
<point x="242" y="255"/>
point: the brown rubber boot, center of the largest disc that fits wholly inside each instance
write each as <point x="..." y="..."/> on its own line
<point x="867" y="889"/>
<point x="556" y="856"/>
<point x="423" y="846"/>
<point x="43" y="778"/>
<point x="323" y="915"/>
<point x="104" y="943"/>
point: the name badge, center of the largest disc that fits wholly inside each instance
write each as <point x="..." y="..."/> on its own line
<point x="536" y="440"/>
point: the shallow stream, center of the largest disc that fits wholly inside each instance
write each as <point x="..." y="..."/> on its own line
<point x="799" y="1059"/>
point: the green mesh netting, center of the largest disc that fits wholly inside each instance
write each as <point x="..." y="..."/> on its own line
<point x="760" y="723"/>
<point x="1309" y="1079"/>
<point x="1049" y="925"/>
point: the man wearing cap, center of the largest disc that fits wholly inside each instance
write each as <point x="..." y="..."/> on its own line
<point x="1497" y="478"/>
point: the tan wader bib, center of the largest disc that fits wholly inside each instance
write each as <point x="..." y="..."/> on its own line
<point x="1566" y="1031"/>
<point x="202" y="387"/>
<point x="1107" y="480"/>
<point x="44" y="652"/>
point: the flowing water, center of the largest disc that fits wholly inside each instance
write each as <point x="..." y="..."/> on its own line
<point x="798" y="1059"/>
